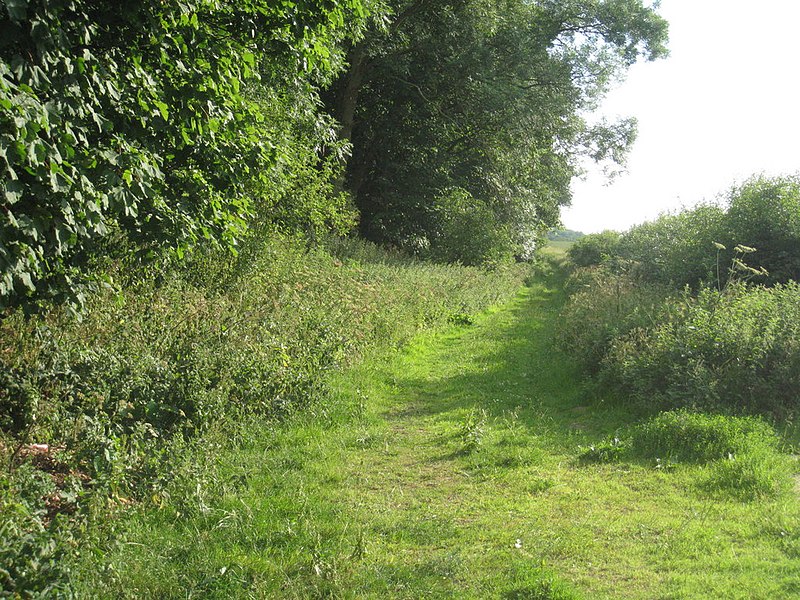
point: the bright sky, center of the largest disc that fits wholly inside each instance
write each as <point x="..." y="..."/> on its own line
<point x="724" y="105"/>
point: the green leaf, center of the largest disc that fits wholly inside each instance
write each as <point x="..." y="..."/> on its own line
<point x="163" y="109"/>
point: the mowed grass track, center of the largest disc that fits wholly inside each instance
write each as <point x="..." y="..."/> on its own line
<point x="451" y="470"/>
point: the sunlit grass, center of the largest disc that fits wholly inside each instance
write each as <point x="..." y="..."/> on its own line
<point x="451" y="469"/>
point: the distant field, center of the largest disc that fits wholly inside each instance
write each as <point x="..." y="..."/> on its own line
<point x="557" y="247"/>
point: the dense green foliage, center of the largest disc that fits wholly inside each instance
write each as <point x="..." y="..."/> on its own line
<point x="594" y="248"/>
<point x="738" y="349"/>
<point x="485" y="97"/>
<point x="164" y="122"/>
<point x="684" y="248"/>
<point x="728" y="341"/>
<point x="678" y="249"/>
<point x="604" y="306"/>
<point x="764" y="213"/>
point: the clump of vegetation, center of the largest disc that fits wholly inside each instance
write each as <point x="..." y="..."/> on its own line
<point x="609" y="450"/>
<point x="733" y="349"/>
<point x="473" y="430"/>
<point x="36" y="549"/>
<point x="678" y="249"/>
<point x="742" y="453"/>
<point x="687" y="310"/>
<point x="594" y="248"/>
<point x="172" y="144"/>
<point x="686" y="436"/>
<point x="603" y="306"/>
<point x="760" y="473"/>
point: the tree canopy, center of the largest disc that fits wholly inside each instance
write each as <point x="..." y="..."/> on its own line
<point x="160" y="124"/>
<point x="486" y="98"/>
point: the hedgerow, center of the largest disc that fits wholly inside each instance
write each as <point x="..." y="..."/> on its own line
<point x="167" y="122"/>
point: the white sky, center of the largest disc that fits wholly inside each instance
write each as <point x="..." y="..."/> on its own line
<point x="724" y="105"/>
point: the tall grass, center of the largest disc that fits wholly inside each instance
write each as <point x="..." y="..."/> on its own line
<point x="738" y="349"/>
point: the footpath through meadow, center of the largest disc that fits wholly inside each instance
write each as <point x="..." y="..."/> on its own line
<point x="451" y="470"/>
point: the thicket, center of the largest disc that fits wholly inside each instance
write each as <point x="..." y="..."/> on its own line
<point x="594" y="248"/>
<point x="697" y="310"/>
<point x="696" y="246"/>
<point x="736" y="350"/>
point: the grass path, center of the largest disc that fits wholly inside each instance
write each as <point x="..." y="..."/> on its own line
<point x="451" y="471"/>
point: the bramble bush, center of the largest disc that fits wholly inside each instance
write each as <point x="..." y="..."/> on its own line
<point x="677" y="249"/>
<point x="738" y="349"/>
<point x="764" y="213"/>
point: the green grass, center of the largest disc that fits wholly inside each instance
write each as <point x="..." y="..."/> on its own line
<point x="450" y="469"/>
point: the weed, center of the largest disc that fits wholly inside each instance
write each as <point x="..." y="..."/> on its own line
<point x="610" y="450"/>
<point x="473" y="430"/>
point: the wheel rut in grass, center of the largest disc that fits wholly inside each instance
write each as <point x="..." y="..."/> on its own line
<point x="461" y="440"/>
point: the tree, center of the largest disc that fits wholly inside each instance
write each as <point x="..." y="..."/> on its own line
<point x="487" y="97"/>
<point x="764" y="213"/>
<point x="158" y="121"/>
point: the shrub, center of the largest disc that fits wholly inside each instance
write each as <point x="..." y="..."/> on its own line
<point x="677" y="249"/>
<point x="738" y="349"/>
<point x="468" y="232"/>
<point x="764" y="213"/>
<point x="602" y="307"/>
<point x="35" y="552"/>
<point x="594" y="248"/>
<point x="165" y="141"/>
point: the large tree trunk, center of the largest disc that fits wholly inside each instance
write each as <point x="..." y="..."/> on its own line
<point x="347" y="98"/>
